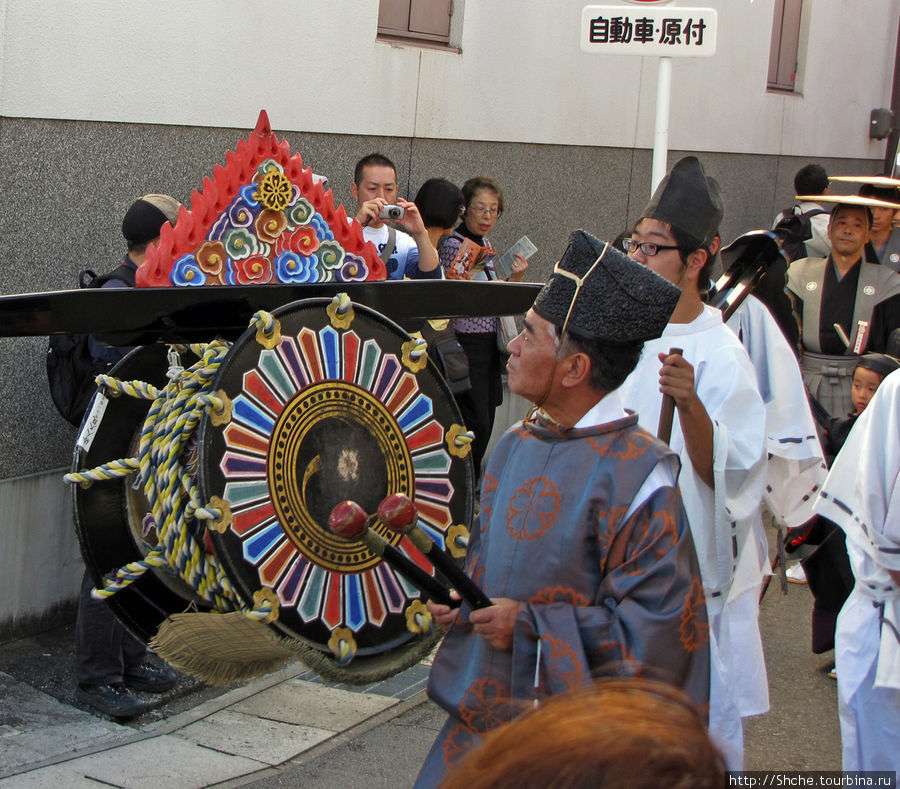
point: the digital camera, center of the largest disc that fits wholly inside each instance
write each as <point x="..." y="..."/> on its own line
<point x="393" y="212"/>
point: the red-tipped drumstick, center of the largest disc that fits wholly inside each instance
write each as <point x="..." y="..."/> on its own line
<point x="398" y="513"/>
<point x="349" y="522"/>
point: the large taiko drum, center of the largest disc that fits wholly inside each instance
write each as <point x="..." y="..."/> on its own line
<point x="326" y="403"/>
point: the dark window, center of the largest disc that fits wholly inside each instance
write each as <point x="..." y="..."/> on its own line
<point x="785" y="45"/>
<point x="422" y="20"/>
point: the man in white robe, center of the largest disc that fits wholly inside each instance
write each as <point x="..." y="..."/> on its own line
<point x="862" y="496"/>
<point x="796" y="465"/>
<point x="719" y="433"/>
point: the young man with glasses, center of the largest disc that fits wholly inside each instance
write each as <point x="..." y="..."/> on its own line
<point x="719" y="434"/>
<point x="582" y="543"/>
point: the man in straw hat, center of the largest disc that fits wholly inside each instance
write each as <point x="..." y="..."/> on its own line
<point x="582" y="545"/>
<point x="719" y="434"/>
<point x="844" y="305"/>
<point x="884" y="238"/>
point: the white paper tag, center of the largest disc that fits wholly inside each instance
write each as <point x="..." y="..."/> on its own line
<point x="90" y="425"/>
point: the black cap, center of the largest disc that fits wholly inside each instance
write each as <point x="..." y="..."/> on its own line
<point x="688" y="200"/>
<point x="620" y="302"/>
<point x="147" y="215"/>
<point x="879" y="363"/>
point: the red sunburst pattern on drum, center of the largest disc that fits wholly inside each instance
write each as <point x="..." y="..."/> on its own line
<point x="336" y="598"/>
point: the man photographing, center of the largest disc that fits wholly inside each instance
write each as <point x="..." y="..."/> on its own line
<point x="405" y="254"/>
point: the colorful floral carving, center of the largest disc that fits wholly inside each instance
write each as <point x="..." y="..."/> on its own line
<point x="302" y="240"/>
<point x="211" y="257"/>
<point x="299" y="213"/>
<point x="239" y="214"/>
<point x="293" y="268"/>
<point x="274" y="191"/>
<point x="321" y="226"/>
<point x="187" y="272"/>
<point x="240" y="243"/>
<point x="253" y="269"/>
<point x="269" y="225"/>
<point x="354" y="269"/>
<point x="331" y="256"/>
<point x="245" y="211"/>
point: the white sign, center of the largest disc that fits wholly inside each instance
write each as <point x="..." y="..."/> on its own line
<point x="653" y="31"/>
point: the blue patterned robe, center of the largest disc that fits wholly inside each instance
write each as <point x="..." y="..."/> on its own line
<point x="602" y="594"/>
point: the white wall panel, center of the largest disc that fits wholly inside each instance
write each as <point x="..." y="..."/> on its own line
<point x="519" y="77"/>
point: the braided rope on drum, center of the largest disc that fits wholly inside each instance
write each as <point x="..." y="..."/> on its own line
<point x="171" y="491"/>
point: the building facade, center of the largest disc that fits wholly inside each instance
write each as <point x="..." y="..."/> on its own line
<point x="102" y="101"/>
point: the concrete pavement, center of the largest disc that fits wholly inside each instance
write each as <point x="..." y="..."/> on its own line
<point x="291" y="729"/>
<point x="233" y="735"/>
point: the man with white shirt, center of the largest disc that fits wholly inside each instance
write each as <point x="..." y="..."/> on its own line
<point x="719" y="433"/>
<point x="405" y="254"/>
<point x="582" y="545"/>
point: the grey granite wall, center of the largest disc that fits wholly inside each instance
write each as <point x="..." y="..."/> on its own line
<point x="65" y="185"/>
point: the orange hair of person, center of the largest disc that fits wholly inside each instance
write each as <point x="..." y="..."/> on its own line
<point x="617" y="734"/>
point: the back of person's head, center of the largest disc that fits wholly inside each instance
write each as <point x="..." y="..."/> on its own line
<point x="146" y="216"/>
<point x="439" y="202"/>
<point x="890" y="194"/>
<point x="479" y="182"/>
<point x="811" y="180"/>
<point x="618" y="734"/>
<point x="372" y="160"/>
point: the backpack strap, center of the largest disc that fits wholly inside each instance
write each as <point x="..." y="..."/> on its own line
<point x="88" y="279"/>
<point x="389" y="248"/>
<point x="123" y="272"/>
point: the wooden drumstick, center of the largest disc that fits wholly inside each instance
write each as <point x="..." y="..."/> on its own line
<point x="667" y="410"/>
<point x="349" y="522"/>
<point x="398" y="513"/>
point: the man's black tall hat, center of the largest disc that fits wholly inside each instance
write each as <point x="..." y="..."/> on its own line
<point x="605" y="295"/>
<point x="688" y="200"/>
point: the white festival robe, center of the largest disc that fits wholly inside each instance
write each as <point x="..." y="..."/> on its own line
<point x="796" y="466"/>
<point x="725" y="523"/>
<point x="862" y="495"/>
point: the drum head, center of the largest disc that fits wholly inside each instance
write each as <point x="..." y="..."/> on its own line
<point x="110" y="515"/>
<point x="333" y="409"/>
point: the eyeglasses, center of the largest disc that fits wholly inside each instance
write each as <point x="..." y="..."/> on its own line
<point x="483" y="210"/>
<point x="647" y="247"/>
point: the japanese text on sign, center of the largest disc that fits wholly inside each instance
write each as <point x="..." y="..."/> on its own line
<point x="666" y="32"/>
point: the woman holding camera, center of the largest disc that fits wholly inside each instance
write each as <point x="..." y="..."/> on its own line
<point x="483" y="204"/>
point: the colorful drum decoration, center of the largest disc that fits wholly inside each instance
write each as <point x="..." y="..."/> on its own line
<point x="333" y="401"/>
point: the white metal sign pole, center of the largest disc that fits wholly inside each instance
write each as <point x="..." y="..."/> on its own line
<point x="661" y="128"/>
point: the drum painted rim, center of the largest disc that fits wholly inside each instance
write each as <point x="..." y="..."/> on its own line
<point x="330" y="412"/>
